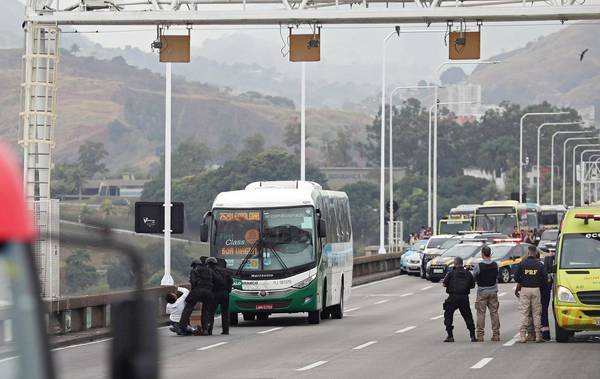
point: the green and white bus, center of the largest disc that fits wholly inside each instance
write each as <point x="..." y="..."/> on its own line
<point x="288" y="246"/>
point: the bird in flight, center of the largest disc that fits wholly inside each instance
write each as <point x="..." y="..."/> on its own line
<point x="582" y="54"/>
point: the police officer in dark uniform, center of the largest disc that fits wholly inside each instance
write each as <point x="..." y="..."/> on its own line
<point x="458" y="283"/>
<point x="530" y="277"/>
<point x="201" y="280"/>
<point x="222" y="284"/>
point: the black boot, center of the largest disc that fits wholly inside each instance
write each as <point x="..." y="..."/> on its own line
<point x="472" y="334"/>
<point x="450" y="337"/>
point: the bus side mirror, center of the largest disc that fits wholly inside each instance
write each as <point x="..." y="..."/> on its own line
<point x="322" y="229"/>
<point x="550" y="264"/>
<point x="204" y="232"/>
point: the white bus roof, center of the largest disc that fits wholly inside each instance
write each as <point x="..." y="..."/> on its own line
<point x="553" y="208"/>
<point x="273" y="194"/>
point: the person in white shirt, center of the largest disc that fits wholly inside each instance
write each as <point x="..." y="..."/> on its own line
<point x="175" y="305"/>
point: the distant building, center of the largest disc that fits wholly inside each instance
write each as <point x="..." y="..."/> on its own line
<point x="338" y="177"/>
<point x="127" y="186"/>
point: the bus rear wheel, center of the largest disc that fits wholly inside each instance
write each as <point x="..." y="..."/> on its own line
<point x="337" y="311"/>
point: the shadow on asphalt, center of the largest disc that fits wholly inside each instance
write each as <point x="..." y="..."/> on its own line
<point x="275" y="321"/>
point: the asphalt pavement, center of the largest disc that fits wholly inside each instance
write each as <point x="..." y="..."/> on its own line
<point x="392" y="328"/>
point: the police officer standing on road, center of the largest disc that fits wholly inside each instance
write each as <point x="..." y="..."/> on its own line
<point x="201" y="280"/>
<point x="222" y="284"/>
<point x="530" y="277"/>
<point x="486" y="276"/>
<point x="458" y="283"/>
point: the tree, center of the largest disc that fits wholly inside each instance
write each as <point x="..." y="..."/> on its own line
<point x="292" y="137"/>
<point x="364" y="211"/>
<point x="79" y="273"/>
<point x="107" y="208"/>
<point x="339" y="151"/>
<point x="189" y="158"/>
<point x="453" y="75"/>
<point x="91" y="157"/>
<point x="72" y="177"/>
<point x="253" y="145"/>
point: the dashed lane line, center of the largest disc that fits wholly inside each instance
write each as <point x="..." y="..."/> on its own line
<point x="81" y="344"/>
<point x="378" y="282"/>
<point x="513" y="340"/>
<point x="366" y="344"/>
<point x="211" y="346"/>
<point x="351" y="309"/>
<point x="481" y="363"/>
<point x="382" y="301"/>
<point x="311" y="366"/>
<point x="408" y="328"/>
<point x="426" y="288"/>
<point x="501" y="294"/>
<point x="436" y="317"/>
<point x="407" y="294"/>
<point x="269" y="330"/>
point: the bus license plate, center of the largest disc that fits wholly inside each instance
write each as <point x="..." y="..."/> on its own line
<point x="264" y="307"/>
<point x="438" y="271"/>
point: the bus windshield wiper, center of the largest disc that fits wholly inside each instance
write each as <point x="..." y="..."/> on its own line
<point x="247" y="257"/>
<point x="280" y="260"/>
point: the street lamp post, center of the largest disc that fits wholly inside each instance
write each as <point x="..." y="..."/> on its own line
<point x="539" y="134"/>
<point x="391" y="167"/>
<point x="167" y="279"/>
<point x="581" y="162"/>
<point x="303" y="123"/>
<point x="574" y="168"/>
<point x="382" y="145"/>
<point x="434" y="205"/>
<point x="521" y="145"/>
<point x="564" y="179"/>
<point x="552" y="158"/>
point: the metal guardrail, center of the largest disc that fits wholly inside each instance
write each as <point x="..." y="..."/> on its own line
<point x="86" y="313"/>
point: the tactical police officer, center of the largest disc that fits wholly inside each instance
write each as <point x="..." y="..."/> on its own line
<point x="530" y="277"/>
<point x="222" y="284"/>
<point x="486" y="276"/>
<point x="201" y="280"/>
<point x="458" y="283"/>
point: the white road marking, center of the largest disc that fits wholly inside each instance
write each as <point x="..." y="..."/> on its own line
<point x="8" y="359"/>
<point x="501" y="294"/>
<point x="426" y="288"/>
<point x="482" y="363"/>
<point x="351" y="309"/>
<point x="513" y="340"/>
<point x="311" y="366"/>
<point x="382" y="301"/>
<point x="407" y="294"/>
<point x="211" y="346"/>
<point x="436" y="317"/>
<point x="269" y="330"/>
<point x="377" y="282"/>
<point x="82" y="344"/>
<point x="405" y="329"/>
<point x="366" y="344"/>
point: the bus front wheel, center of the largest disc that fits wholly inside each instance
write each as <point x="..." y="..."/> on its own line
<point x="562" y="335"/>
<point x="314" y="317"/>
<point x="233" y="319"/>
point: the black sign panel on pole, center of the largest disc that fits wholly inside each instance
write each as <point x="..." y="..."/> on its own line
<point x="150" y="217"/>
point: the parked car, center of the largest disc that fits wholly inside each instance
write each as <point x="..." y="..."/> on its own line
<point x="548" y="239"/>
<point x="433" y="249"/>
<point x="410" y="261"/>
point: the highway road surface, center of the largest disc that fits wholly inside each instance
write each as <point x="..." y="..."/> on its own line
<point x="391" y="329"/>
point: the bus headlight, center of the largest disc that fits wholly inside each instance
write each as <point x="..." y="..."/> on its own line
<point x="303" y="283"/>
<point x="565" y="295"/>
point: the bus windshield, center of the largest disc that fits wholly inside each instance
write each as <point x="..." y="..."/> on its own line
<point x="580" y="251"/>
<point x="549" y="218"/>
<point x="454" y="226"/>
<point x="264" y="240"/>
<point x="498" y="219"/>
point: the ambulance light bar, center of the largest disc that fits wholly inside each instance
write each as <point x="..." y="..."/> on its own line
<point x="587" y="216"/>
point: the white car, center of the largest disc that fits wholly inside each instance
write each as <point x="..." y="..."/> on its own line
<point x="433" y="249"/>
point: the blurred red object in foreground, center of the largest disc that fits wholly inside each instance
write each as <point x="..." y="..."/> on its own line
<point x="16" y="224"/>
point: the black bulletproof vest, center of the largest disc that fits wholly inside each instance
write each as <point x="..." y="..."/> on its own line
<point x="201" y="278"/>
<point x="460" y="282"/>
<point x="488" y="274"/>
<point x="531" y="271"/>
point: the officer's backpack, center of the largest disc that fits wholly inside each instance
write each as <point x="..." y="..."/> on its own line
<point x="460" y="283"/>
